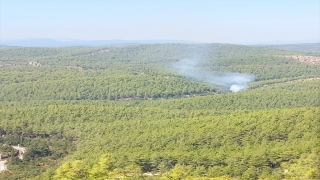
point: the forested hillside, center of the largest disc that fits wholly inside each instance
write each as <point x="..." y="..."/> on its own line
<point x="126" y="112"/>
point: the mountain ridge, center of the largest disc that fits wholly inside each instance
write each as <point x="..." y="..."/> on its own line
<point x="44" y="42"/>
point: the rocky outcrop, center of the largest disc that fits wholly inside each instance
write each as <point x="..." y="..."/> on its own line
<point x="34" y="63"/>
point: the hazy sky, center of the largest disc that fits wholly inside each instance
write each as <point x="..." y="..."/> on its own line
<point x="216" y="21"/>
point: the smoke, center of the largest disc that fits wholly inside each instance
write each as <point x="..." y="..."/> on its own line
<point x="224" y="80"/>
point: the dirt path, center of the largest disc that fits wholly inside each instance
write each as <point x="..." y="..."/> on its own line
<point x="2" y="166"/>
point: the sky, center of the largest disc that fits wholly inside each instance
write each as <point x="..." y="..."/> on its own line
<point x="208" y="21"/>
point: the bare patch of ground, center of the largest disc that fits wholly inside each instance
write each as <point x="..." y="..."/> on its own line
<point x="3" y="167"/>
<point x="7" y="64"/>
<point x="34" y="63"/>
<point x="99" y="51"/>
<point x="304" y="59"/>
<point x="75" y="68"/>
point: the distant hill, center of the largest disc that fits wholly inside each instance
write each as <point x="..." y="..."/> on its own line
<point x="298" y="47"/>
<point x="68" y="42"/>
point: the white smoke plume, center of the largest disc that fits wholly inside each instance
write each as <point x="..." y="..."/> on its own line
<point x="225" y="80"/>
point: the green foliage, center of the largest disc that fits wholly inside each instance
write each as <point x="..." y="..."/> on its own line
<point x="35" y="151"/>
<point x="71" y="170"/>
<point x="103" y="169"/>
<point x="180" y="172"/>
<point x="126" y="105"/>
<point x="306" y="167"/>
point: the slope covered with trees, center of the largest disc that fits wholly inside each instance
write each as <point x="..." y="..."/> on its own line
<point x="124" y="112"/>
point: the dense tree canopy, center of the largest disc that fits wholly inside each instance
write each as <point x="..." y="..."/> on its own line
<point x="124" y="112"/>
